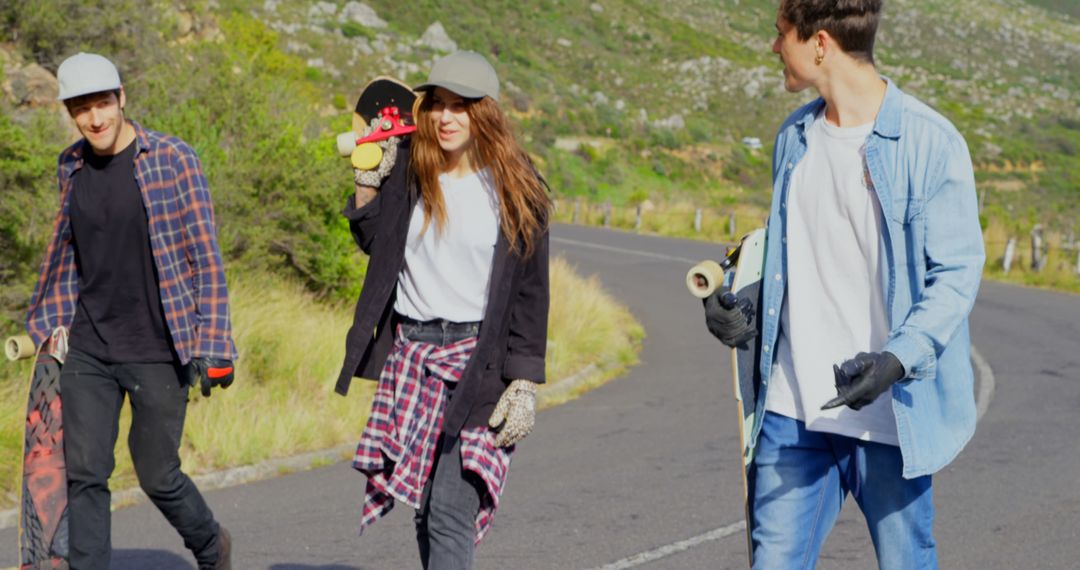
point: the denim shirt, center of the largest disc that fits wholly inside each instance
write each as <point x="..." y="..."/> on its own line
<point x="932" y="246"/>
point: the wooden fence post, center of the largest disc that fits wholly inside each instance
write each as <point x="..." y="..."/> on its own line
<point x="607" y="214"/>
<point x="731" y="225"/>
<point x="697" y="220"/>
<point x="637" y="218"/>
<point x="1038" y="256"/>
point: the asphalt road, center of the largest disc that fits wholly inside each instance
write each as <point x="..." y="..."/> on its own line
<point x="643" y="472"/>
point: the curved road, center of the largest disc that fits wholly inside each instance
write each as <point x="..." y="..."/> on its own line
<point x="643" y="472"/>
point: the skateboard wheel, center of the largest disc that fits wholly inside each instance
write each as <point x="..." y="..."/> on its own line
<point x="704" y="278"/>
<point x="346" y="143"/>
<point x="19" y="347"/>
<point x="367" y="156"/>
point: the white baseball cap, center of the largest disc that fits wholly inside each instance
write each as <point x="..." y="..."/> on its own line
<point x="85" y="73"/>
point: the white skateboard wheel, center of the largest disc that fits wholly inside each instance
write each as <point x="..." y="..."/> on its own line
<point x="19" y="347"/>
<point x="346" y="143"/>
<point x="704" y="278"/>
<point x="366" y="156"/>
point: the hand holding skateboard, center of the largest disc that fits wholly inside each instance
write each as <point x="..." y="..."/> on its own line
<point x="729" y="318"/>
<point x="383" y="114"/>
<point x="373" y="161"/>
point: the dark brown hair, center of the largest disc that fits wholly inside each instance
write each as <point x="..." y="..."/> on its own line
<point x="523" y="200"/>
<point x="76" y="101"/>
<point x="852" y="23"/>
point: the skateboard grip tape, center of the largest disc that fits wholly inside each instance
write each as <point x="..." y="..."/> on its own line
<point x="704" y="278"/>
<point x="19" y="347"/>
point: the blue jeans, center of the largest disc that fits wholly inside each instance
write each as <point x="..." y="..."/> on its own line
<point x="799" y="481"/>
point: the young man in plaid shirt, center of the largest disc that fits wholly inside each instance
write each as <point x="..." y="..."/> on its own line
<point x="134" y="271"/>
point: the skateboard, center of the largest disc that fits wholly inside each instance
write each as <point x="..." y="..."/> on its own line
<point x="740" y="271"/>
<point x="43" y="517"/>
<point x="384" y="98"/>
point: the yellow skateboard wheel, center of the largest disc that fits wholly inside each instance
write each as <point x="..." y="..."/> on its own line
<point x="366" y="156"/>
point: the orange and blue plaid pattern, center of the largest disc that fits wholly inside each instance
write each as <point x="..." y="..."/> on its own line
<point x="180" y="219"/>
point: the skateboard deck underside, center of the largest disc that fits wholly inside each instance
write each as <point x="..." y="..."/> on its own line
<point x="43" y="524"/>
<point x="380" y="93"/>
<point x="746" y="285"/>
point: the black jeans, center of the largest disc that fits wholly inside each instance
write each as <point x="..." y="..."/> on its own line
<point x="93" y="393"/>
<point x="446" y="520"/>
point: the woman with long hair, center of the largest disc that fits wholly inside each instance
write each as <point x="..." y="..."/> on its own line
<point x="452" y="318"/>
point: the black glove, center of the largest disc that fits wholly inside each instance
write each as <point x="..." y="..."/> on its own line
<point x="209" y="372"/>
<point x="729" y="318"/>
<point x="862" y="379"/>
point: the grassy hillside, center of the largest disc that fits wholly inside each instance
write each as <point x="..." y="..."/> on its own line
<point x="698" y="74"/>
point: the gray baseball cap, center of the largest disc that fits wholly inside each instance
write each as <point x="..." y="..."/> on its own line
<point x="85" y="73"/>
<point x="466" y="73"/>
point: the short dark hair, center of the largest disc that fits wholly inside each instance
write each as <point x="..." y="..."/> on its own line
<point x="69" y="103"/>
<point x="852" y="23"/>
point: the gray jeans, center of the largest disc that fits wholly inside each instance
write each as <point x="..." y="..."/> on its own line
<point x="446" y="519"/>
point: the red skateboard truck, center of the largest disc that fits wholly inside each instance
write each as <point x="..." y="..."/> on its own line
<point x="365" y="154"/>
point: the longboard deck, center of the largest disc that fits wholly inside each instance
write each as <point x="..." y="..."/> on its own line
<point x="740" y="272"/>
<point x="746" y="285"/>
<point x="43" y="517"/>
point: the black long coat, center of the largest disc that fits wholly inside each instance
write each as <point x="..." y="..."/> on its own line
<point x="513" y="337"/>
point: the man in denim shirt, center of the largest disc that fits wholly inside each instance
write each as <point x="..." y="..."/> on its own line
<point x="873" y="260"/>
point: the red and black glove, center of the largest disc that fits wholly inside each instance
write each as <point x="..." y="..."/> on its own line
<point x="209" y="372"/>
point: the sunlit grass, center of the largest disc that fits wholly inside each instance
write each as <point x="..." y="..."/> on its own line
<point x="670" y="220"/>
<point x="1059" y="272"/>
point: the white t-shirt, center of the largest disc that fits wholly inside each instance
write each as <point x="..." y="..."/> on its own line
<point x="446" y="275"/>
<point x="834" y="306"/>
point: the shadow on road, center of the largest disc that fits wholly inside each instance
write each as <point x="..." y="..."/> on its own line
<point x="288" y="566"/>
<point x="141" y="559"/>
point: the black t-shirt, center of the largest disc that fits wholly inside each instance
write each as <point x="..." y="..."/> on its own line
<point x="119" y="317"/>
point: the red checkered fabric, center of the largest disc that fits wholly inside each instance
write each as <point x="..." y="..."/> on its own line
<point x="397" y="448"/>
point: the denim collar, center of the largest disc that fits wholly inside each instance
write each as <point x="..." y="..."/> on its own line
<point x="886" y="124"/>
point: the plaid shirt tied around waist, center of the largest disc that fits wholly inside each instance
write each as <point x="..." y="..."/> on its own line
<point x="397" y="448"/>
<point x="183" y="242"/>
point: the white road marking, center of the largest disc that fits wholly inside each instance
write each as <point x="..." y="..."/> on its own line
<point x="986" y="383"/>
<point x="674" y="548"/>
<point x="624" y="250"/>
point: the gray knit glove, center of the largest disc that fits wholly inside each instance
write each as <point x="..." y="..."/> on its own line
<point x="515" y="412"/>
<point x="373" y="178"/>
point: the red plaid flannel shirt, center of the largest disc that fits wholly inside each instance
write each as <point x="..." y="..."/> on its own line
<point x="397" y="448"/>
<point x="180" y="219"/>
